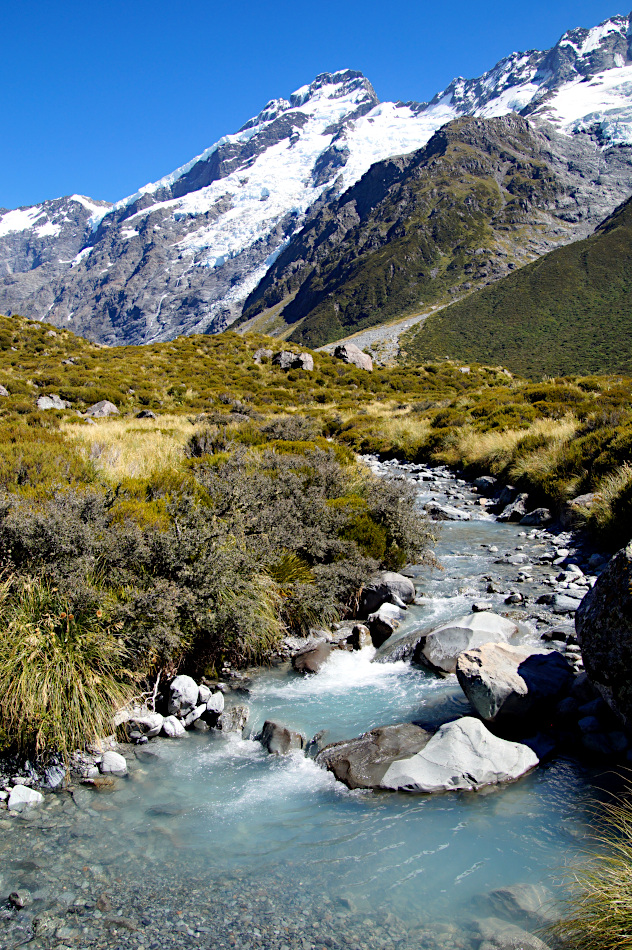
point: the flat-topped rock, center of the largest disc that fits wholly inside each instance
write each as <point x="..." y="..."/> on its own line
<point x="462" y="755"/>
<point x="440" y="647"/>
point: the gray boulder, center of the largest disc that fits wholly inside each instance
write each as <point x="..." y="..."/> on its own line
<point x="360" y="637"/>
<point x="604" y="627"/>
<point x="183" y="696"/>
<point x="515" y="510"/>
<point x="100" y="410"/>
<point x="288" y="360"/>
<point x="215" y="703"/>
<point x="383" y="623"/>
<point x="4" y="391"/>
<point x="350" y="353"/>
<point x="385" y="587"/>
<point x="503" y="680"/>
<point x="486" y="484"/>
<point x="446" y="512"/>
<point x="22" y="798"/>
<point x="147" y="723"/>
<point x="51" y="401"/>
<point x="261" y="354"/>
<point x="537" y="517"/>
<point x="113" y="763"/>
<point x="362" y="762"/>
<point x="195" y="714"/>
<point x="572" y="513"/>
<point x="311" y="658"/>
<point x="172" y="727"/>
<point x="461" y="755"/>
<point x="440" y="647"/>
<point x="233" y="718"/>
<point x="146" y="414"/>
<point x="279" y="739"/>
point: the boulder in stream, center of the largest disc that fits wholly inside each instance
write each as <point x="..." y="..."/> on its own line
<point x="172" y="727"/>
<point x="183" y="696"/>
<point x="383" y="623"/>
<point x="440" y="647"/>
<point x="500" y="680"/>
<point x="233" y="718"/>
<point x="462" y="755"/>
<point x="362" y="762"/>
<point x="515" y="510"/>
<point x="311" y="658"/>
<point x="386" y="587"/>
<point x="22" y="798"/>
<point x="531" y="905"/>
<point x="279" y="739"/>
<point x="604" y="627"/>
<point x="446" y="512"/>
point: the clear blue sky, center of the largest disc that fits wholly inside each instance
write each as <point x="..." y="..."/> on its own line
<point x="101" y="97"/>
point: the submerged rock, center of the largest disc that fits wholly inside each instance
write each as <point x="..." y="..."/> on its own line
<point x="461" y="755"/>
<point x="362" y="762"/>
<point x="440" y="647"/>
<point x="503" y="680"/>
<point x="492" y="933"/>
<point x="533" y="905"/>
<point x="279" y="739"/>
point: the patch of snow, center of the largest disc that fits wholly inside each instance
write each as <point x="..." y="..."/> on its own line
<point x="81" y="256"/>
<point x="127" y="233"/>
<point x="48" y="230"/>
<point x="605" y="101"/>
<point x="20" y="220"/>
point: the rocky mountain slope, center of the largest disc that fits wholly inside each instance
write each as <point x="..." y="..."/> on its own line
<point x="483" y="197"/>
<point x="567" y="313"/>
<point x="184" y="253"/>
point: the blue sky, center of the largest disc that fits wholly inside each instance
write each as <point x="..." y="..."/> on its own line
<point x="100" y="98"/>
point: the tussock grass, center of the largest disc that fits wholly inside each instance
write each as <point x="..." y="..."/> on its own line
<point x="62" y="671"/>
<point x="599" y="914"/>
<point x="120" y="448"/>
<point x="611" y="492"/>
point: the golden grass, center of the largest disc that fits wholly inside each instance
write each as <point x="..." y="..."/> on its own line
<point x="496" y="449"/>
<point x="138" y="448"/>
<point x="608" y="490"/>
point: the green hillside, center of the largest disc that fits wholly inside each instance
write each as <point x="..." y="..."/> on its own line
<point x="568" y="312"/>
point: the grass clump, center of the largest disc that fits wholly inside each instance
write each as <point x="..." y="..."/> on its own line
<point x="599" y="914"/>
<point x="63" y="669"/>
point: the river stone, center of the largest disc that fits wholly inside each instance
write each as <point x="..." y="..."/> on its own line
<point x="350" y="353"/>
<point x="533" y="905"/>
<point x="503" y="680"/>
<point x="102" y="409"/>
<point x="360" y="637"/>
<point x="440" y="647"/>
<point x="149" y="724"/>
<point x="383" y="623"/>
<point x="183" y="696"/>
<point x="279" y="739"/>
<point x="486" y="484"/>
<point x="22" y="798"/>
<point x="496" y="934"/>
<point x="194" y="715"/>
<point x="382" y="589"/>
<point x="446" y="512"/>
<point x="172" y="727"/>
<point x="311" y="658"/>
<point x="461" y="755"/>
<point x="604" y="627"/>
<point x="204" y="694"/>
<point x="215" y="703"/>
<point x="113" y="762"/>
<point x="400" y="647"/>
<point x="362" y="762"/>
<point x="537" y="517"/>
<point x="515" y="510"/>
<point x="233" y="718"/>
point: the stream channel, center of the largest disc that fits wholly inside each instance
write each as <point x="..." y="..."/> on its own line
<point x="212" y="842"/>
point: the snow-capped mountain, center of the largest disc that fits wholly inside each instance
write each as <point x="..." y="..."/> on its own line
<point x="182" y="254"/>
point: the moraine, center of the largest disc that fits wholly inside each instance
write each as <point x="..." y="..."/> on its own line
<point x="211" y="842"/>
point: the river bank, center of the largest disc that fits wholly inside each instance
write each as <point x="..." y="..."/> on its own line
<point x="209" y="841"/>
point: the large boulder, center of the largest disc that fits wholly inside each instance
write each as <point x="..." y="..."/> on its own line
<point x="146" y="722"/>
<point x="100" y="410"/>
<point x="604" y="627"/>
<point x="233" y="718"/>
<point x="383" y="623"/>
<point x="183" y="696"/>
<point x="461" y="755"/>
<point x="52" y="401"/>
<point x="362" y="762"/>
<point x="172" y="727"/>
<point x="288" y="360"/>
<point x="503" y="680"/>
<point x="311" y="658"/>
<point x="113" y="763"/>
<point x="440" y="647"/>
<point x="516" y="510"/>
<point x="386" y="587"/>
<point x="446" y="512"/>
<point x="350" y="353"/>
<point x="279" y="739"/>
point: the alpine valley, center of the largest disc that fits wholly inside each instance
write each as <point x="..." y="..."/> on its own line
<point x="331" y="212"/>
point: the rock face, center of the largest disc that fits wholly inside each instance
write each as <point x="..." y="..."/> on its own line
<point x="310" y="659"/>
<point x="363" y="762"/>
<point x="604" y="628"/>
<point x="440" y="647"/>
<point x="350" y="353"/>
<point x="386" y="587"/>
<point x="461" y="755"/>
<point x="279" y="739"/>
<point x="502" y="680"/>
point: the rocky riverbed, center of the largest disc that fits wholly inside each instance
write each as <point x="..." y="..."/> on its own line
<point x="209" y="841"/>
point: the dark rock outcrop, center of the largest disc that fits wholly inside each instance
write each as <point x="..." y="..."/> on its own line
<point x="362" y="762"/>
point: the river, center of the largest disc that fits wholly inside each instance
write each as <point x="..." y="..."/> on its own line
<point x="211" y="842"/>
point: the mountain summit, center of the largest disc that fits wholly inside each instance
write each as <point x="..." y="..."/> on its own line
<point x="182" y="254"/>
